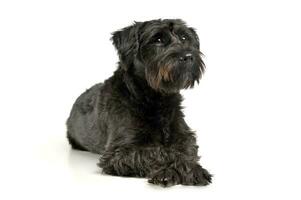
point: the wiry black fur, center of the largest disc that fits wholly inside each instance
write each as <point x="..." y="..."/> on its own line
<point x="135" y="119"/>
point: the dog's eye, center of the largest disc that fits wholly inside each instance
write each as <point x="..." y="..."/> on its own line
<point x="159" y="40"/>
<point x="183" y="37"/>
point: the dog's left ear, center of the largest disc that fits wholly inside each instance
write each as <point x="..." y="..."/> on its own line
<point x="126" y="41"/>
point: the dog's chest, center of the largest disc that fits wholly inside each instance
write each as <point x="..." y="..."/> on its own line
<point x="157" y="125"/>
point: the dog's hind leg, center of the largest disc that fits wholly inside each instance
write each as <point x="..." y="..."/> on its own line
<point x="74" y="144"/>
<point x="128" y="161"/>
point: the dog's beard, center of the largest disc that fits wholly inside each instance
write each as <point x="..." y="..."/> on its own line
<point x="167" y="74"/>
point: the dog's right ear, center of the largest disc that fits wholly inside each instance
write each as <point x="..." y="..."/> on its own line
<point x="126" y="41"/>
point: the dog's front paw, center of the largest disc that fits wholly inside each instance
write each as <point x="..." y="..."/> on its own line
<point x="197" y="176"/>
<point x="165" y="177"/>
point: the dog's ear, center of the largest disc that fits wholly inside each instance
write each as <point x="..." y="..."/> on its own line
<point x="195" y="35"/>
<point x="126" y="41"/>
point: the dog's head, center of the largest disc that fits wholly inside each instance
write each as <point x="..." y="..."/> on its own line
<point x="163" y="52"/>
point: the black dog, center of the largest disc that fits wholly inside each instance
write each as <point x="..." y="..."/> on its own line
<point x="134" y="119"/>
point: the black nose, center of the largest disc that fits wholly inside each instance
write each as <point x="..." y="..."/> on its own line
<point x="186" y="58"/>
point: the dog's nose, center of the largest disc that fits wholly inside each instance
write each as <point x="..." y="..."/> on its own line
<point x="186" y="58"/>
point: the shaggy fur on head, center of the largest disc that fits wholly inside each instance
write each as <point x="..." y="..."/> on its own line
<point x="134" y="120"/>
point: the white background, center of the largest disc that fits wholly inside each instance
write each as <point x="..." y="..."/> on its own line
<point x="246" y="110"/>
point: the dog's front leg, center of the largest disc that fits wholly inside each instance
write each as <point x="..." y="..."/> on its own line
<point x="161" y="164"/>
<point x="183" y="159"/>
<point x="180" y="168"/>
<point x="164" y="166"/>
